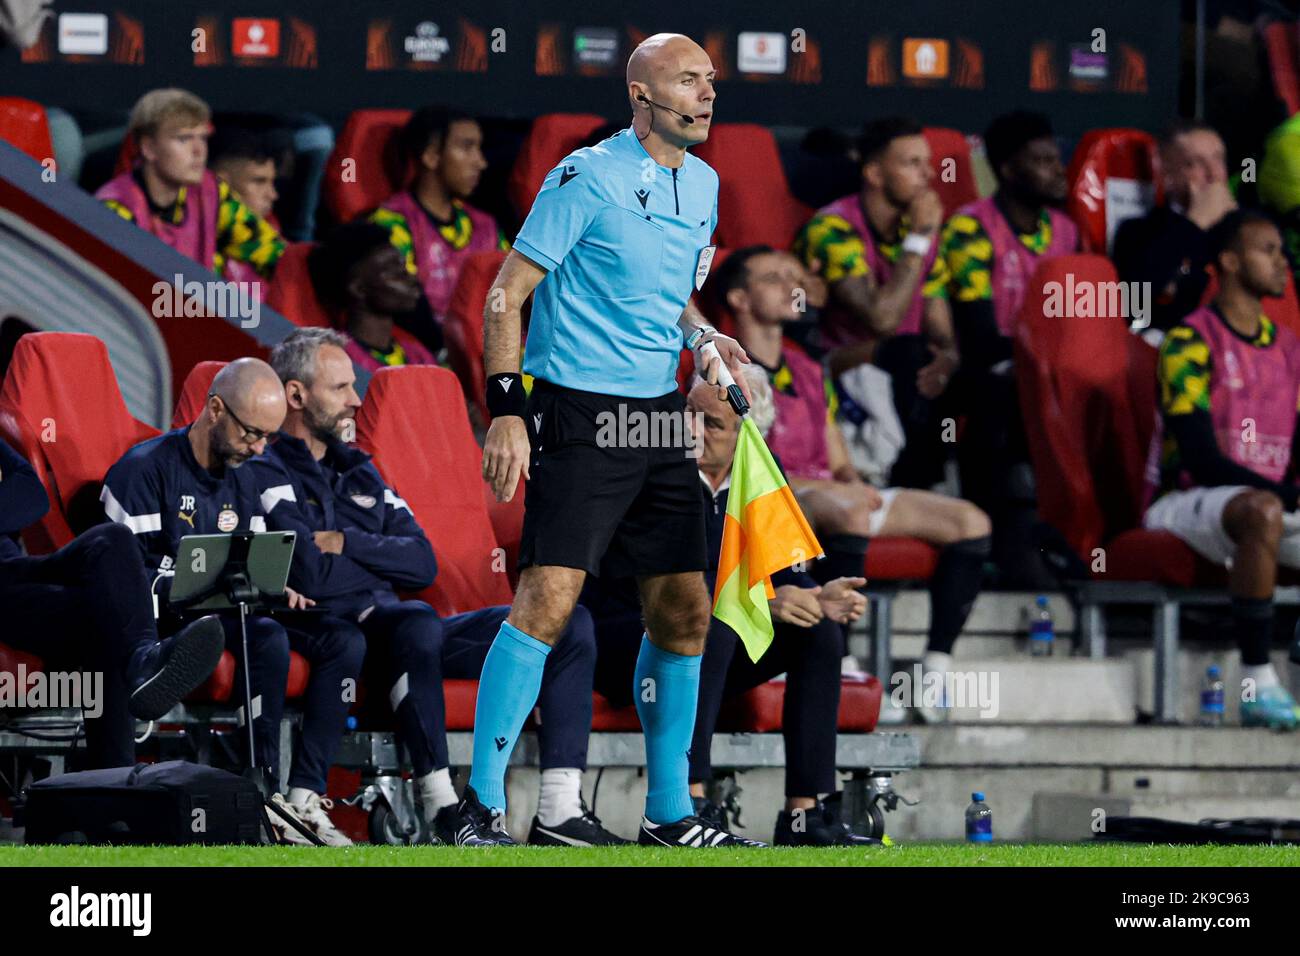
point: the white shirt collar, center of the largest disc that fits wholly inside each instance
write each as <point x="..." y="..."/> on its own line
<point x="726" y="483"/>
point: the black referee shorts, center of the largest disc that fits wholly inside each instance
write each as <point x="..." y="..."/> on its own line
<point x="613" y="486"/>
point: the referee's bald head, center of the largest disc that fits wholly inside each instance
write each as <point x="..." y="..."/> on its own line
<point x="658" y="54"/>
<point x="672" y="75"/>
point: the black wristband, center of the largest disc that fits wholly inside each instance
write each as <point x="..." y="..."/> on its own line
<point x="505" y="394"/>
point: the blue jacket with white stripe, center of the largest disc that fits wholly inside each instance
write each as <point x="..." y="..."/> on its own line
<point x="384" y="547"/>
<point x="159" y="490"/>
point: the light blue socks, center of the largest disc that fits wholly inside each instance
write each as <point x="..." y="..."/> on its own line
<point x="507" y="691"/>
<point x="667" y="688"/>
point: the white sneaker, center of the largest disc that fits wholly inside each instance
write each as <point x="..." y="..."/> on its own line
<point x="313" y="814"/>
<point x="935" y="662"/>
<point x="283" y="832"/>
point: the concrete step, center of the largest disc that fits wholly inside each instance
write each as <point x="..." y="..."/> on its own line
<point x="912" y="646"/>
<point x="1136" y="678"/>
<point x="1160" y="783"/>
<point x="1024" y="690"/>
<point x="988" y="745"/>
<point x="1192" y="664"/>
<point x="994" y="612"/>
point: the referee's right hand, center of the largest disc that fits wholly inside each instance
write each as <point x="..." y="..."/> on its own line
<point x="505" y="455"/>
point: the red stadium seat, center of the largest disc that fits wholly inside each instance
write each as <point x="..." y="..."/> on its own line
<point x="754" y="200"/>
<point x="463" y="327"/>
<point x="11" y="660"/>
<point x="219" y="688"/>
<point x="1282" y="47"/>
<point x="900" y="559"/>
<point x="552" y="137"/>
<point x="375" y="170"/>
<point x="760" y="711"/>
<point x="946" y="144"/>
<point x="194" y="393"/>
<point x="292" y="293"/>
<point x="1065" y="363"/>
<point x="1087" y="393"/>
<point x="756" y="711"/>
<point x="606" y="717"/>
<point x="60" y="406"/>
<point x="460" y="697"/>
<point x="24" y="125"/>
<point x="507" y="519"/>
<point x="414" y="422"/>
<point x="1142" y="555"/>
<point x="1114" y="175"/>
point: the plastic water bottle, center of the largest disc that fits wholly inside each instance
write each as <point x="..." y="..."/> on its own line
<point x="1212" y="697"/>
<point x="979" y="820"/>
<point x="1042" y="633"/>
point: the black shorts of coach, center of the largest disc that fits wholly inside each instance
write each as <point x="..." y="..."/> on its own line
<point x="602" y="498"/>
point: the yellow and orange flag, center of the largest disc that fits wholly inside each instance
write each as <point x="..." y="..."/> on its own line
<point x="764" y="532"/>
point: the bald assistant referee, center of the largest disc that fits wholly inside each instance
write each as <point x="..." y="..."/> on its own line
<point x="617" y="239"/>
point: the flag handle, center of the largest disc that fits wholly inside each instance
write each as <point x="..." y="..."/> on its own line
<point x="734" y="395"/>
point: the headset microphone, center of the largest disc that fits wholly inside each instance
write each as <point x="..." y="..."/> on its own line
<point x="688" y="120"/>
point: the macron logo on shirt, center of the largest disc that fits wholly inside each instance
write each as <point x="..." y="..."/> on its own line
<point x="569" y="172"/>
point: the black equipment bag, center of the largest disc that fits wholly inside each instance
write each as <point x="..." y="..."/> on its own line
<point x="173" y="802"/>
<point x="1209" y="830"/>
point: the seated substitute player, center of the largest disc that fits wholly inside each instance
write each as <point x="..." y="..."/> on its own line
<point x="358" y="272"/>
<point x="992" y="247"/>
<point x="87" y="606"/>
<point x="358" y="542"/>
<point x="758" y="286"/>
<point x="807" y="645"/>
<point x="173" y="195"/>
<point x="191" y="481"/>
<point x="245" y="160"/>
<point x="432" y="224"/>
<point x="878" y="250"/>
<point x="1229" y="387"/>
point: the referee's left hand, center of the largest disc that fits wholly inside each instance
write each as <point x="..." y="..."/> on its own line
<point x="734" y="355"/>
<point x="505" y="455"/>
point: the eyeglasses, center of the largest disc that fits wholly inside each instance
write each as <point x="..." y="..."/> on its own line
<point x="250" y="435"/>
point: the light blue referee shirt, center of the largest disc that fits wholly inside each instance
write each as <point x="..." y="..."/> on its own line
<point x="621" y="239"/>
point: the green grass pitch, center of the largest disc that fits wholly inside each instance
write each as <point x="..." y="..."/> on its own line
<point x="916" y="854"/>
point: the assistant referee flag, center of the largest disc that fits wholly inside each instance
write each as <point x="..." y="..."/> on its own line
<point x="764" y="532"/>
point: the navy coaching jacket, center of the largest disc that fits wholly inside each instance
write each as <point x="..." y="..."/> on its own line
<point x="159" y="490"/>
<point x="384" y="547"/>
<point x="23" y="500"/>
